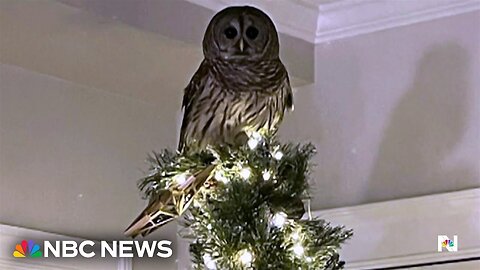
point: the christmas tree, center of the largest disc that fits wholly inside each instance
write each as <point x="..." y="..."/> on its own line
<point x="247" y="212"/>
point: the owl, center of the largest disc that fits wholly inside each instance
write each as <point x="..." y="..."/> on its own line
<point x="241" y="86"/>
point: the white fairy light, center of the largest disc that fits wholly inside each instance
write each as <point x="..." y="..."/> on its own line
<point x="295" y="236"/>
<point x="267" y="175"/>
<point x="279" y="219"/>
<point x="245" y="257"/>
<point x="254" y="140"/>
<point x="180" y="179"/>
<point x="309" y="259"/>
<point x="209" y="262"/>
<point x="220" y="176"/>
<point x="197" y="203"/>
<point x="209" y="227"/>
<point x="278" y="155"/>
<point x="298" y="250"/>
<point x="245" y="173"/>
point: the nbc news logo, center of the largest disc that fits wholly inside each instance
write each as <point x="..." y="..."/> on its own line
<point x="445" y="243"/>
<point x="27" y="249"/>
<point x="114" y="249"/>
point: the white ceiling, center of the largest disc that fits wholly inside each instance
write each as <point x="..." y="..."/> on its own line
<point x="74" y="45"/>
<point x="183" y="21"/>
<point x="318" y="21"/>
<point x="45" y="38"/>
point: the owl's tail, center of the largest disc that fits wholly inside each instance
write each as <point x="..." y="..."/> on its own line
<point x="168" y="205"/>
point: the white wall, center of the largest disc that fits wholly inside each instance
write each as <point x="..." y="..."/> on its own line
<point x="394" y="114"/>
<point x="83" y="99"/>
<point x="65" y="148"/>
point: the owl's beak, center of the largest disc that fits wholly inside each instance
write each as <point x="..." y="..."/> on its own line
<point x="241" y="44"/>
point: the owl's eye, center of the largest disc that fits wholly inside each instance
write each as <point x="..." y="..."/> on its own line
<point x="230" y="32"/>
<point x="252" y="32"/>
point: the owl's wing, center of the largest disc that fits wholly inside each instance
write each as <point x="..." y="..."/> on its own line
<point x="191" y="93"/>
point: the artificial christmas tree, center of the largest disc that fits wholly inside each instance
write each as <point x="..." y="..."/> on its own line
<point x="247" y="212"/>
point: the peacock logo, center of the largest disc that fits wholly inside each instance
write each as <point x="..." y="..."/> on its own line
<point x="27" y="249"/>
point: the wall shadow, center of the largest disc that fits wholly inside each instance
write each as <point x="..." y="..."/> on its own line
<point x="424" y="129"/>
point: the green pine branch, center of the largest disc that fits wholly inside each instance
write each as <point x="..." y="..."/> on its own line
<point x="251" y="217"/>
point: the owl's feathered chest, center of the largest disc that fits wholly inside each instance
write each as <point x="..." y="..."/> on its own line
<point x="224" y="101"/>
<point x="243" y="76"/>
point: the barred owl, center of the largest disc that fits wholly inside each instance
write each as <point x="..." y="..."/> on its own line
<point x="241" y="85"/>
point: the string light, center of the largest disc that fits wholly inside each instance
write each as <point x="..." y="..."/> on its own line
<point x="279" y="219"/>
<point x="245" y="257"/>
<point x="295" y="236"/>
<point x="254" y="140"/>
<point x="298" y="250"/>
<point x="220" y="176"/>
<point x="197" y="204"/>
<point x="250" y="165"/>
<point x="209" y="262"/>
<point x="266" y="175"/>
<point x="277" y="155"/>
<point x="245" y="173"/>
<point x="180" y="179"/>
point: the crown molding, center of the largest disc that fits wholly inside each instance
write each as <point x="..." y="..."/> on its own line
<point x="318" y="21"/>
<point x="404" y="232"/>
<point x="284" y="13"/>
<point x="349" y="18"/>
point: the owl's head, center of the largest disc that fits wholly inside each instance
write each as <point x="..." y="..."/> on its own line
<point x="243" y="33"/>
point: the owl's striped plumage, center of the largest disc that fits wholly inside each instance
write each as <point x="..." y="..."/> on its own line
<point x="240" y="87"/>
<point x="224" y="102"/>
<point x="235" y="91"/>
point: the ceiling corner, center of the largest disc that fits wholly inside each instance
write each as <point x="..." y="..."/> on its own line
<point x="318" y="21"/>
<point x="347" y="18"/>
<point x="297" y="18"/>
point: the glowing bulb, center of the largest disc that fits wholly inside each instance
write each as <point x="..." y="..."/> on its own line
<point x="209" y="227"/>
<point x="278" y="155"/>
<point x="266" y="175"/>
<point x="295" y="236"/>
<point x="219" y="175"/>
<point x="197" y="204"/>
<point x="180" y="178"/>
<point x="279" y="219"/>
<point x="245" y="173"/>
<point x="246" y="257"/>
<point x="254" y="140"/>
<point x="252" y="143"/>
<point x="309" y="259"/>
<point x="209" y="262"/>
<point x="298" y="250"/>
